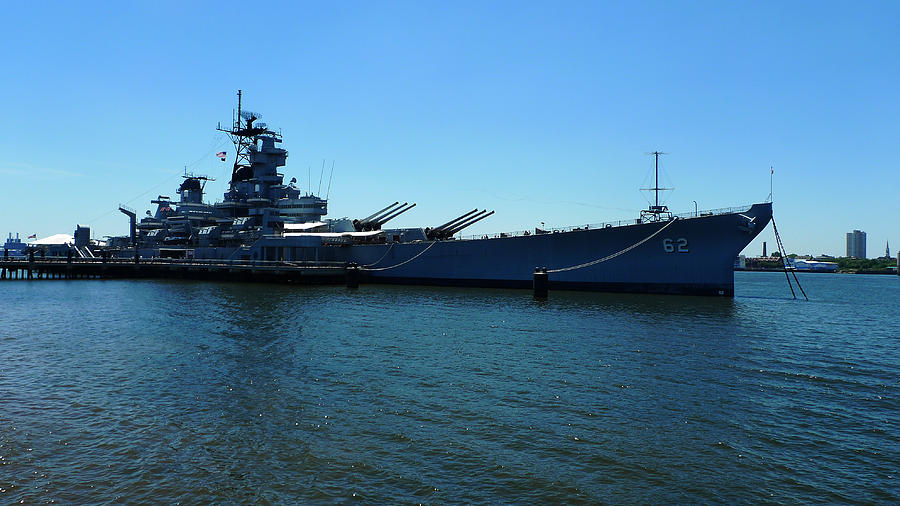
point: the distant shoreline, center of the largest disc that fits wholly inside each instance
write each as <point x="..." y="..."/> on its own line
<point x="861" y="271"/>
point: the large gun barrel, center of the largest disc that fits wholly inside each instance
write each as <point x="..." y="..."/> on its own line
<point x="373" y="215"/>
<point x="396" y="212"/>
<point x="453" y="221"/>
<point x="474" y="219"/>
<point x="381" y="215"/>
<point x="361" y="225"/>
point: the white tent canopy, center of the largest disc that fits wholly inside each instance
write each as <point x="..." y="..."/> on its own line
<point x="53" y="240"/>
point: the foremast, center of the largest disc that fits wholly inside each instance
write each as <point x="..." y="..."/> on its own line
<point x="244" y="132"/>
<point x="656" y="212"/>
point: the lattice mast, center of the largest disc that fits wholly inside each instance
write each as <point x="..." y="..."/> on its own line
<point x="243" y="134"/>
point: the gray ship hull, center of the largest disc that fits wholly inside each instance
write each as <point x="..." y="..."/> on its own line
<point x="690" y="256"/>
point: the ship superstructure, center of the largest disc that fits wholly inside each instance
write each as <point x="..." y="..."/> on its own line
<point x="263" y="219"/>
<point x="14" y="246"/>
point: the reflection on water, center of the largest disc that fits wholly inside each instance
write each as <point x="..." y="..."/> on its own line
<point x="188" y="392"/>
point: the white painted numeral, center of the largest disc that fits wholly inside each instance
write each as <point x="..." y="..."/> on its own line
<point x="680" y="245"/>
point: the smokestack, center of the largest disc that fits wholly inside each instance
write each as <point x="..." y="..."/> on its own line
<point x="764" y="248"/>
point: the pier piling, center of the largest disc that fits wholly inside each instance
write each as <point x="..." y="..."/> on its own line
<point x="352" y="273"/>
<point x="541" y="283"/>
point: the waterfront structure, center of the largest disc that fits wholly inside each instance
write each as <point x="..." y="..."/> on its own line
<point x="812" y="265"/>
<point x="856" y="244"/>
<point x="262" y="219"/>
<point x="14" y="246"/>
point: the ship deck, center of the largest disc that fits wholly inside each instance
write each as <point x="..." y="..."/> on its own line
<point x="606" y="224"/>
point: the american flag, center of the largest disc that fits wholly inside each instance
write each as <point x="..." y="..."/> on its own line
<point x="222" y="155"/>
<point x="32" y="236"/>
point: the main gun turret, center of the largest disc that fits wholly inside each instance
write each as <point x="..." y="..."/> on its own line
<point x="375" y="220"/>
<point x="455" y="225"/>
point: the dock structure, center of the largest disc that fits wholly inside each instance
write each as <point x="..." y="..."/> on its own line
<point x="312" y="273"/>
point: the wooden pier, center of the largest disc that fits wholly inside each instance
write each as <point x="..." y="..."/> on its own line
<point x="165" y="268"/>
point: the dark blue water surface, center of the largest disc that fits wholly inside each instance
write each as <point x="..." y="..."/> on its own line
<point x="149" y="391"/>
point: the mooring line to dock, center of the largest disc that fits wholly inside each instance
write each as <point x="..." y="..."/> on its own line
<point x="614" y="255"/>
<point x="382" y="256"/>
<point x="401" y="263"/>
<point x="784" y="264"/>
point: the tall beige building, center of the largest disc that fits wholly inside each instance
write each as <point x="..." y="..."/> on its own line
<point x="856" y="244"/>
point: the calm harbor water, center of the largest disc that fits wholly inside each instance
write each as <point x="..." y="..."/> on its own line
<point x="149" y="391"/>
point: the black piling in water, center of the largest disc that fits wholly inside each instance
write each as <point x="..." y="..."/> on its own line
<point x="541" y="283"/>
<point x="352" y="274"/>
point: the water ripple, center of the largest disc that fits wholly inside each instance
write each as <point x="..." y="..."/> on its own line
<point x="204" y="392"/>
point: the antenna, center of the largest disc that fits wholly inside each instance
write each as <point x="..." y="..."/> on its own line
<point x="234" y="118"/>
<point x="771" y="177"/>
<point x="656" y="210"/>
<point x="656" y="171"/>
<point x="321" y="173"/>
<point x="327" y="193"/>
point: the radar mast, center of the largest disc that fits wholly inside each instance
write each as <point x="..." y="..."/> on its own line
<point x="243" y="134"/>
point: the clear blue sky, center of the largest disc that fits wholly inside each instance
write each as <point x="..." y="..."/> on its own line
<point x="542" y="111"/>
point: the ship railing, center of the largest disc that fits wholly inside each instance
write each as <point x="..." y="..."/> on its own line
<point x="607" y="224"/>
<point x="714" y="212"/>
<point x="206" y="262"/>
<point x="231" y="262"/>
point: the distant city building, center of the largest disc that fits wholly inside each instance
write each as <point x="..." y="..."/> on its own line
<point x="813" y="265"/>
<point x="856" y="244"/>
<point x="887" y="249"/>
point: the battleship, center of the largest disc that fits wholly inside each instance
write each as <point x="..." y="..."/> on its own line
<point x="263" y="219"/>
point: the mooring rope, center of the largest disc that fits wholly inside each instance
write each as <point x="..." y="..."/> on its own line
<point x="784" y="264"/>
<point x="382" y="256"/>
<point x="401" y="263"/>
<point x="614" y="255"/>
